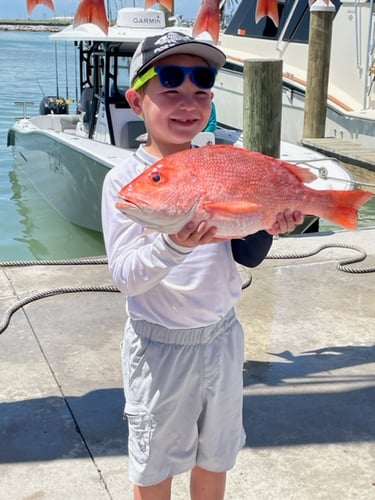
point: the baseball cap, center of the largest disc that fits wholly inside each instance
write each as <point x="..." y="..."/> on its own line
<point x="154" y="48"/>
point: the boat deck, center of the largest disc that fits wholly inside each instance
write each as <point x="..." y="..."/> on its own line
<point x="345" y="151"/>
<point x="309" y="380"/>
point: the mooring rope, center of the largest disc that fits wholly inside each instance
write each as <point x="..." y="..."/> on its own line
<point x="49" y="293"/>
<point x="343" y="265"/>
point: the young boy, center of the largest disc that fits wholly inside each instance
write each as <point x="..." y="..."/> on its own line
<point x="182" y="351"/>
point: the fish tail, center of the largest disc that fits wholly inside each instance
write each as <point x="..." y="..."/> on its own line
<point x="91" y="11"/>
<point x="208" y="19"/>
<point x="31" y="4"/>
<point x="267" y="8"/>
<point x="168" y="4"/>
<point x="149" y="3"/>
<point x="344" y="209"/>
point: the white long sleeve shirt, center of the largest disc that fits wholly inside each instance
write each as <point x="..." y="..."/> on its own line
<point x="164" y="283"/>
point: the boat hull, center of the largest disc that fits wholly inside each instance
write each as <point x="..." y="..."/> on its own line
<point x="67" y="177"/>
<point x="346" y="126"/>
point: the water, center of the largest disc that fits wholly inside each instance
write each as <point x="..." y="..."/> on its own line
<point x="29" y="227"/>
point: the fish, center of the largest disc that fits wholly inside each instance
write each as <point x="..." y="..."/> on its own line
<point x="91" y="11"/>
<point x="208" y="19"/>
<point x="267" y="8"/>
<point x="168" y="4"/>
<point x="31" y="4"/>
<point x="237" y="190"/>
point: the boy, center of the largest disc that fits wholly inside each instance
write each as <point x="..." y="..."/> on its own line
<point x="182" y="351"/>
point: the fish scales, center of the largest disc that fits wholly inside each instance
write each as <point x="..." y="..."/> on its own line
<point x="238" y="191"/>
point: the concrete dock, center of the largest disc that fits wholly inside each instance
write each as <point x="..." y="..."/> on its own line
<point x="309" y="381"/>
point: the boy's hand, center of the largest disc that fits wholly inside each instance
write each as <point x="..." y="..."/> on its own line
<point x="192" y="234"/>
<point x="286" y="222"/>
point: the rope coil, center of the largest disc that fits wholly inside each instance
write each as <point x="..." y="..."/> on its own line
<point x="343" y="265"/>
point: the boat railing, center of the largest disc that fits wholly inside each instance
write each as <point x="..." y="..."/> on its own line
<point x="369" y="69"/>
<point x="281" y="43"/>
<point x="24" y="105"/>
<point x="320" y="167"/>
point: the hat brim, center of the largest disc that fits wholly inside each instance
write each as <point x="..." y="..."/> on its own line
<point x="212" y="55"/>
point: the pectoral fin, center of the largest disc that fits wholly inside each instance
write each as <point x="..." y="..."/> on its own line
<point x="230" y="209"/>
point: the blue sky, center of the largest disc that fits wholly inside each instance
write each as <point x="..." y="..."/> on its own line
<point x="16" y="9"/>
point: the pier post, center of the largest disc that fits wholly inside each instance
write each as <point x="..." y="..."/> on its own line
<point x="168" y="14"/>
<point x="320" y="35"/>
<point x="262" y="99"/>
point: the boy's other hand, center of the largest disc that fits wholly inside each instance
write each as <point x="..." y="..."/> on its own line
<point x="286" y="222"/>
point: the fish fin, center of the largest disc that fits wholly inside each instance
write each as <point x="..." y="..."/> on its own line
<point x="344" y="210"/>
<point x="168" y="4"/>
<point x="208" y="20"/>
<point x="90" y="11"/>
<point x="31" y="4"/>
<point x="267" y="8"/>
<point x="303" y="174"/>
<point x="230" y="208"/>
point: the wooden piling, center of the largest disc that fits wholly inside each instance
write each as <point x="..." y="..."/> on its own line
<point x="320" y="36"/>
<point x="168" y="14"/>
<point x="262" y="99"/>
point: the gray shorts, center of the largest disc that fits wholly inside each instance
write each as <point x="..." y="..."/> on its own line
<point x="184" y="394"/>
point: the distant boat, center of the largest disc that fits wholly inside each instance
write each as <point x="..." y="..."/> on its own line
<point x="351" y="89"/>
<point x="66" y="156"/>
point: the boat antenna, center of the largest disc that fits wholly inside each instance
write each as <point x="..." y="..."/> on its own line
<point x="56" y="72"/>
<point x="76" y="76"/>
<point x="66" y="74"/>
<point x="41" y="89"/>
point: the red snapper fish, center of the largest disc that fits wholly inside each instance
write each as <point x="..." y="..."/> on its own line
<point x="208" y="19"/>
<point x="267" y="8"/>
<point x="238" y="191"/>
<point x="168" y="4"/>
<point x="31" y="4"/>
<point x="89" y="11"/>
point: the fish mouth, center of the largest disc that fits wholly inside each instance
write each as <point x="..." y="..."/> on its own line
<point x="157" y="221"/>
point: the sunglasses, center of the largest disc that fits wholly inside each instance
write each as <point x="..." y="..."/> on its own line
<point x="171" y="76"/>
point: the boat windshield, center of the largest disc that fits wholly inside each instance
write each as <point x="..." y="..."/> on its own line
<point x="122" y="73"/>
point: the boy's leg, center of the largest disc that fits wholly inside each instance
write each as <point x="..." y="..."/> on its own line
<point x="160" y="491"/>
<point x="207" y="485"/>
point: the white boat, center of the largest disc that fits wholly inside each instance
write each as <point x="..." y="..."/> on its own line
<point x="351" y="88"/>
<point x="66" y="157"/>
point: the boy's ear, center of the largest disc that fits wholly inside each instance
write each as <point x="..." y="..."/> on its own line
<point x="134" y="99"/>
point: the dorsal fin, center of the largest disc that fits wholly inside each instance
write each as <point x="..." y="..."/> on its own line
<point x="302" y="173"/>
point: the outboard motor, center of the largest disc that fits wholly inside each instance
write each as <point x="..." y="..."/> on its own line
<point x="51" y="105"/>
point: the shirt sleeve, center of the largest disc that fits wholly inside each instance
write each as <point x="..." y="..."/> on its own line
<point x="251" y="250"/>
<point x="137" y="259"/>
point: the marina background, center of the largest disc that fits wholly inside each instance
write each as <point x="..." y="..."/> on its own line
<point x="29" y="227"/>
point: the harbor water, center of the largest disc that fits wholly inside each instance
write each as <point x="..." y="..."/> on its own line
<point x="33" y="66"/>
<point x="30" y="228"/>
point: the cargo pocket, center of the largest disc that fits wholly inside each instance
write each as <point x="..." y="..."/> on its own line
<point x="139" y="424"/>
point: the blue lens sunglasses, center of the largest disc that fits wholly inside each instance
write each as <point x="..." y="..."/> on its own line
<point x="172" y="76"/>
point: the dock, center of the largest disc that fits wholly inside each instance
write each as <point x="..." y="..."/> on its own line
<point x="309" y="379"/>
<point x="345" y="151"/>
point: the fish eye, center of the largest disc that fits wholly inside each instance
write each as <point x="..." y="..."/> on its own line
<point x="155" y="176"/>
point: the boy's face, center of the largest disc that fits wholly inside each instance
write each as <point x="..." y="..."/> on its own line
<point x="172" y="116"/>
